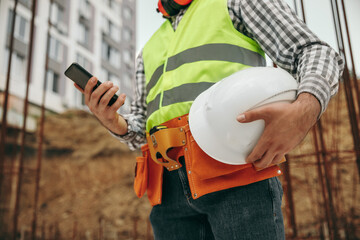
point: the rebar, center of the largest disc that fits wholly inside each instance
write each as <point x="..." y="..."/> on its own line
<point x="41" y="134"/>
<point x="25" y="113"/>
<point x="289" y="197"/>
<point x="4" y="120"/>
<point x="355" y="81"/>
<point x="329" y="186"/>
<point x="303" y="10"/>
<point x="321" y="178"/>
<point x="347" y="83"/>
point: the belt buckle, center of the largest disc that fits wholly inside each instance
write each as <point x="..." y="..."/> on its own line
<point x="153" y="139"/>
<point x="154" y="130"/>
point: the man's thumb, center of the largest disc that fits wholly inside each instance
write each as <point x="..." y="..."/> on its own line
<point x="249" y="116"/>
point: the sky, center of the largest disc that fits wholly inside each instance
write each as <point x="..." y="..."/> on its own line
<point x="318" y="16"/>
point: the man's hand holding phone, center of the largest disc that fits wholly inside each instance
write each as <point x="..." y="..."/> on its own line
<point x="97" y="100"/>
<point x="100" y="98"/>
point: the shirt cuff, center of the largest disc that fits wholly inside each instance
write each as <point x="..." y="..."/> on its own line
<point x="318" y="87"/>
<point x="127" y="136"/>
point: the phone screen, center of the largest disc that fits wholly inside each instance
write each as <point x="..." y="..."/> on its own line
<point x="78" y="74"/>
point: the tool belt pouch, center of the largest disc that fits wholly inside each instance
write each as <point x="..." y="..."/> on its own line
<point x="141" y="172"/>
<point x="162" y="142"/>
<point x="206" y="167"/>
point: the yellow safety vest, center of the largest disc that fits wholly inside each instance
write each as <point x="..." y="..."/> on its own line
<point x="181" y="64"/>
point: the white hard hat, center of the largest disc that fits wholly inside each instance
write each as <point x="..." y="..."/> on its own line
<point x="212" y="117"/>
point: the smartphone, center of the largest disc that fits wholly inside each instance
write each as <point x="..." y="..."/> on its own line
<point x="80" y="76"/>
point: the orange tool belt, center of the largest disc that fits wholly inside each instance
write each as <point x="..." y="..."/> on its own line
<point x="172" y="140"/>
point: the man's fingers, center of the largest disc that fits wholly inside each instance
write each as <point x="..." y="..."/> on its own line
<point x="89" y="88"/>
<point x="265" y="161"/>
<point x="119" y="102"/>
<point x="279" y="158"/>
<point x="257" y="153"/>
<point x="97" y="94"/>
<point x="104" y="101"/>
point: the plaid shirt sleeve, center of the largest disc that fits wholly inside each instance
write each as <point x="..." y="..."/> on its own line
<point x="291" y="45"/>
<point x="137" y="118"/>
<point x="286" y="40"/>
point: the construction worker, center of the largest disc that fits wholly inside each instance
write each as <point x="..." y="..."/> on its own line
<point x="200" y="42"/>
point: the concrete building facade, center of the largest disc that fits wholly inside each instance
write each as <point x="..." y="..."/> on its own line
<point x="98" y="34"/>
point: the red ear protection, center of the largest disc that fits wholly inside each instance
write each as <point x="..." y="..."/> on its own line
<point x="172" y="7"/>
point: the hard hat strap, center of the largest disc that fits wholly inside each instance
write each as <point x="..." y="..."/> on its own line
<point x="172" y="7"/>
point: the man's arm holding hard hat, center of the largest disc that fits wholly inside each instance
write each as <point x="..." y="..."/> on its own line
<point x="286" y="124"/>
<point x="315" y="65"/>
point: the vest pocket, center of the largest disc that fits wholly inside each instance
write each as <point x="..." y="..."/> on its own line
<point x="141" y="176"/>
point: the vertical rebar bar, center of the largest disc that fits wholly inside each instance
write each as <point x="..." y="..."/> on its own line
<point x="315" y="202"/>
<point x="351" y="56"/>
<point x="347" y="83"/>
<point x="351" y="53"/>
<point x="100" y="229"/>
<point x="51" y="233"/>
<point x="38" y="170"/>
<point x="74" y="235"/>
<point x="303" y="10"/>
<point x="43" y="227"/>
<point x="23" y="131"/>
<point x="290" y="210"/>
<point x="135" y="225"/>
<point x="4" y="120"/>
<point x="321" y="177"/>
<point x="329" y="186"/>
<point x="41" y="132"/>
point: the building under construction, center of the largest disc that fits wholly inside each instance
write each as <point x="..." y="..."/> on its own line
<point x="321" y="177"/>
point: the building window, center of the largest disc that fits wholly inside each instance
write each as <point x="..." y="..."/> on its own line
<point x="104" y="75"/>
<point x="127" y="34"/>
<point x="80" y="59"/>
<point x="114" y="32"/>
<point x="55" y="49"/>
<point x="110" y="29"/>
<point x="79" y="98"/>
<point x="26" y="3"/>
<point x="108" y="76"/>
<point x="83" y="34"/>
<point x="111" y="55"/>
<point x="18" y="65"/>
<point x="52" y="81"/>
<point x="127" y="57"/>
<point x="85" y="8"/>
<point x="114" y="79"/>
<point x="127" y="81"/>
<point x="105" y="25"/>
<point x="21" y="31"/>
<point x="127" y="13"/>
<point x="57" y="13"/>
<point x="114" y="5"/>
<point x="58" y="17"/>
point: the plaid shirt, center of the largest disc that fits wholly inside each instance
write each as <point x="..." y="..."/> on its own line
<point x="286" y="40"/>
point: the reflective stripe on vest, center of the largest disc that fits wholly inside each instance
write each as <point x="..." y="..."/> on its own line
<point x="216" y="52"/>
<point x="180" y="65"/>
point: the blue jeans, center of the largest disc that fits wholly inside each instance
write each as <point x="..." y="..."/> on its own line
<point x="247" y="212"/>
